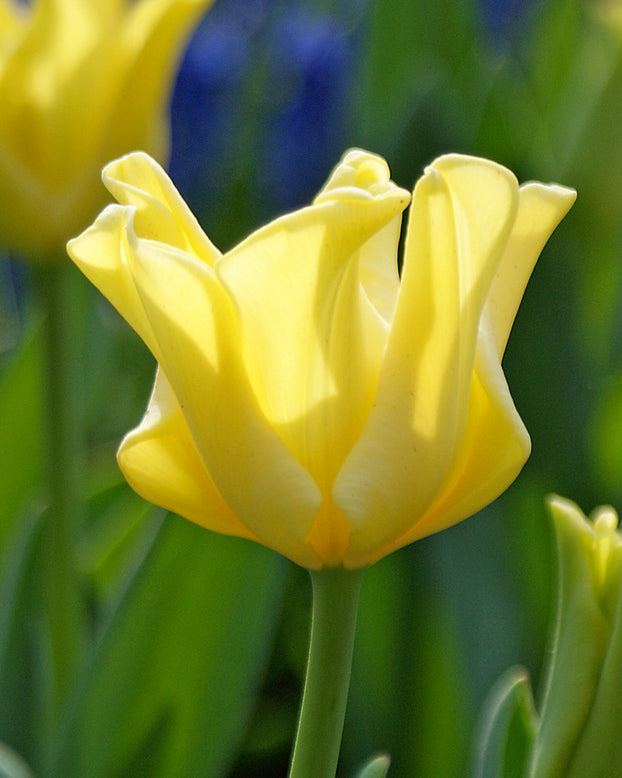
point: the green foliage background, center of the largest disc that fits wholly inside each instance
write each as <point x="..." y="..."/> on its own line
<point x="190" y="650"/>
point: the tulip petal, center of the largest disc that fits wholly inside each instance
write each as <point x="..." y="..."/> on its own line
<point x="313" y="342"/>
<point x="541" y="208"/>
<point x="161" y="213"/>
<point x="378" y="256"/>
<point x="151" y="207"/>
<point x="160" y="461"/>
<point x="13" y="17"/>
<point x="496" y="444"/>
<point x="200" y="345"/>
<point x="56" y="56"/>
<point x="494" y="448"/>
<point x="462" y="213"/>
<point x="101" y="253"/>
<point x="378" y="269"/>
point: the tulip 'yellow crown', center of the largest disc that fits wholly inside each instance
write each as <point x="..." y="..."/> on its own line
<point x="307" y="397"/>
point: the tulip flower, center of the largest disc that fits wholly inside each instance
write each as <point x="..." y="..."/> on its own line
<point x="307" y="396"/>
<point x="81" y="82"/>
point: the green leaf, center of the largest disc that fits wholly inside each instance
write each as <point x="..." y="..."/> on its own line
<point x="169" y="687"/>
<point x="508" y="727"/>
<point x="407" y="692"/>
<point x="378" y="767"/>
<point x="21" y="431"/>
<point x="20" y="679"/>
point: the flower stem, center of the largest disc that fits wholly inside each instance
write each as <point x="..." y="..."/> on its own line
<point x="318" y="740"/>
<point x="59" y="296"/>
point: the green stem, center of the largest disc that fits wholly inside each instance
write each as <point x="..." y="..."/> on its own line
<point x="59" y="296"/>
<point x="335" y="600"/>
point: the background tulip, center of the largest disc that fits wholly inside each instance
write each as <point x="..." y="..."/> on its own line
<point x="81" y="81"/>
<point x="308" y="397"/>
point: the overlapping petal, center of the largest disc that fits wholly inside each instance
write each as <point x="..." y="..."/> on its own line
<point x="160" y="212"/>
<point x="103" y="254"/>
<point x="312" y="341"/>
<point x="495" y="444"/>
<point x="161" y="463"/>
<point x="462" y="214"/>
<point x="151" y="207"/>
<point x="199" y="341"/>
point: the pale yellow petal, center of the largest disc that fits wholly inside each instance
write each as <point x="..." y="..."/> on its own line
<point x="152" y="207"/>
<point x="540" y="210"/>
<point x="494" y="448"/>
<point x="161" y="213"/>
<point x="462" y="212"/>
<point x="377" y="258"/>
<point x="161" y="463"/>
<point x="101" y="253"/>
<point x="200" y="345"/>
<point x="313" y="342"/>
<point x="13" y="19"/>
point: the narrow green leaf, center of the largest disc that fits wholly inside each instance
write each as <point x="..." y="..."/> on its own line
<point x="21" y="689"/>
<point x="169" y="688"/>
<point x="508" y="727"/>
<point x="21" y="430"/>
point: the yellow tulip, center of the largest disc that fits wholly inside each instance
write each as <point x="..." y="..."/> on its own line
<point x="307" y="397"/>
<point x="81" y="82"/>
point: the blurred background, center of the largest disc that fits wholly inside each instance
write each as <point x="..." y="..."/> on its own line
<point x="197" y="644"/>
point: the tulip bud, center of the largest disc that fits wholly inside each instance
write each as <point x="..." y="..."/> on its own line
<point x="576" y="733"/>
<point x="582" y="707"/>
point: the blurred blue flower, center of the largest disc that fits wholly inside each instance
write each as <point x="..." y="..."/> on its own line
<point x="13" y="301"/>
<point x="206" y="100"/>
<point x="505" y="20"/>
<point x="261" y="104"/>
<point x="311" y="66"/>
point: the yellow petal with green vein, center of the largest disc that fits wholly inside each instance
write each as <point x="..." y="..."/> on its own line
<point x="461" y="216"/>
<point x="201" y="352"/>
<point x="161" y="463"/>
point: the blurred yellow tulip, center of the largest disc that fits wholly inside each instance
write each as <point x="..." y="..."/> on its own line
<point x="307" y="397"/>
<point x="81" y="82"/>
